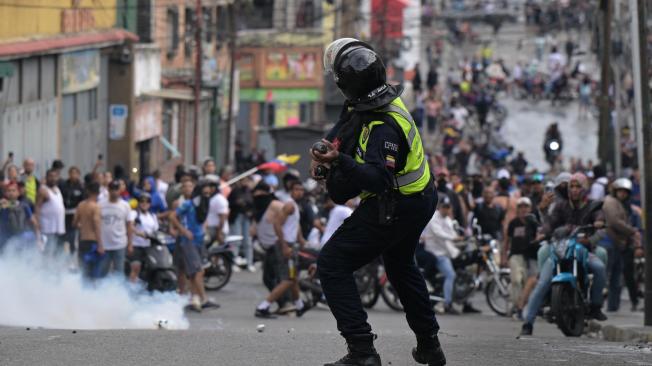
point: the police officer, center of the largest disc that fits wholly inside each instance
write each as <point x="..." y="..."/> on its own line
<point x="375" y="152"/>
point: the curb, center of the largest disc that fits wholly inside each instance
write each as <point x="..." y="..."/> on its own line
<point x="622" y="333"/>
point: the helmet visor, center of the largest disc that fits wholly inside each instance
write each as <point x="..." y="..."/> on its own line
<point x="333" y="49"/>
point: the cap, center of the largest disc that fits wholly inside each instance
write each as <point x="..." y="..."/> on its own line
<point x="211" y="178"/>
<point x="444" y="202"/>
<point x="115" y="184"/>
<point x="524" y="201"/>
<point x="503" y="174"/>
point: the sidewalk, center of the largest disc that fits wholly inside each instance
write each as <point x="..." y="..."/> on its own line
<point x="623" y="326"/>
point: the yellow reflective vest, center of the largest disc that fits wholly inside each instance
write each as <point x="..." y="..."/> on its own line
<point x="415" y="175"/>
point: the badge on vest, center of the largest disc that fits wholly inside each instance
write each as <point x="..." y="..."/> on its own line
<point x="391" y="146"/>
<point x="365" y="134"/>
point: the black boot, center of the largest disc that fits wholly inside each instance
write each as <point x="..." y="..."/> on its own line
<point x="361" y="352"/>
<point x="597" y="314"/>
<point x="428" y="351"/>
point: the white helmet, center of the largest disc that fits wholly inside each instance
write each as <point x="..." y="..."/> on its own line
<point x="622" y="183"/>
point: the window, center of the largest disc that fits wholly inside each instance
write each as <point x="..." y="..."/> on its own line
<point x="47" y="77"/>
<point x="189" y="34"/>
<point x="256" y="14"/>
<point x="208" y="23"/>
<point x="222" y="26"/>
<point x="305" y="113"/>
<point x="267" y="117"/>
<point x="29" y="81"/>
<point x="172" y="34"/>
<point x="166" y="127"/>
<point x="144" y="21"/>
<point x="307" y="15"/>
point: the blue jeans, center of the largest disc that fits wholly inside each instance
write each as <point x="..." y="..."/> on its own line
<point x="241" y="227"/>
<point x="615" y="267"/>
<point x="545" y="278"/>
<point x="445" y="266"/>
<point x="113" y="261"/>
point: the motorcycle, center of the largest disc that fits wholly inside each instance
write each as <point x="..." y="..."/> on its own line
<point x="481" y="250"/>
<point x="366" y="280"/>
<point x="552" y="149"/>
<point x="219" y="268"/>
<point x="569" y="305"/>
<point x="157" y="269"/>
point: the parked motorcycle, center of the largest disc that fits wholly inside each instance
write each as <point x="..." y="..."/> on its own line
<point x="220" y="263"/>
<point x="157" y="269"/>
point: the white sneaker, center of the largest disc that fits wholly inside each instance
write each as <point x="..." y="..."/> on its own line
<point x="239" y="261"/>
<point x="195" y="303"/>
<point x="251" y="268"/>
<point x="236" y="268"/>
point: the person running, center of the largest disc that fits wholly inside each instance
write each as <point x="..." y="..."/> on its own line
<point x="286" y="228"/>
<point x="51" y="213"/>
<point x="89" y="222"/>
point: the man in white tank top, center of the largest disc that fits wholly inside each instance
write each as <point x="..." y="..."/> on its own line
<point x="51" y="213"/>
<point x="285" y="221"/>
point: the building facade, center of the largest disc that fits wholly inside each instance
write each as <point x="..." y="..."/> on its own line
<point x="58" y="60"/>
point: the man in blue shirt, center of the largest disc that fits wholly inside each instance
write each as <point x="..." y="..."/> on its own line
<point x="188" y="219"/>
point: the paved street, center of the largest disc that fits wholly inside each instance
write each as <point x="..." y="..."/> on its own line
<point x="228" y="336"/>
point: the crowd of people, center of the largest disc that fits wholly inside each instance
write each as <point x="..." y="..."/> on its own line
<point x="103" y="220"/>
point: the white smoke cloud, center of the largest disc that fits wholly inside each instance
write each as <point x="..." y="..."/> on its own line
<point x="42" y="292"/>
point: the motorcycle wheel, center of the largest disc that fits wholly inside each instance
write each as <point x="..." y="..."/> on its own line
<point x="219" y="273"/>
<point x="390" y="296"/>
<point x="567" y="307"/>
<point x="498" y="301"/>
<point x="163" y="281"/>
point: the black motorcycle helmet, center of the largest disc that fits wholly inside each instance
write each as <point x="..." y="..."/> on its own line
<point x="358" y="71"/>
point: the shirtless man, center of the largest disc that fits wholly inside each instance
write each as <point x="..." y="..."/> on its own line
<point x="283" y="220"/>
<point x="87" y="218"/>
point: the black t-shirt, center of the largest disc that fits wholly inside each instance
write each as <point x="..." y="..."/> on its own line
<point x="489" y="218"/>
<point x="521" y="233"/>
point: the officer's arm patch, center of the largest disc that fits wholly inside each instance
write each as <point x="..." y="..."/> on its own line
<point x="390" y="162"/>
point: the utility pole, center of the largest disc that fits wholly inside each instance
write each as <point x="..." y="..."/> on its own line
<point x="605" y="82"/>
<point x="644" y="131"/>
<point x="383" y="32"/>
<point x="230" y="128"/>
<point x="198" y="77"/>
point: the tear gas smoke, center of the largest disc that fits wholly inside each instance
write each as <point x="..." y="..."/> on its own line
<point x="41" y="291"/>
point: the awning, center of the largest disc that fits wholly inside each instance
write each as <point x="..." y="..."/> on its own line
<point x="177" y="94"/>
<point x="64" y="42"/>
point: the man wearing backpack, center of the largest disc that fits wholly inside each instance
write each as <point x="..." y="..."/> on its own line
<point x="15" y="217"/>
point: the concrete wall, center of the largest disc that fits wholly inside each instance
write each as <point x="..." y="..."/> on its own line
<point x="147" y="64"/>
<point x="83" y="135"/>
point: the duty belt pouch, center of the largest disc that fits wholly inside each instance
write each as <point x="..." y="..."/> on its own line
<point x="386" y="207"/>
